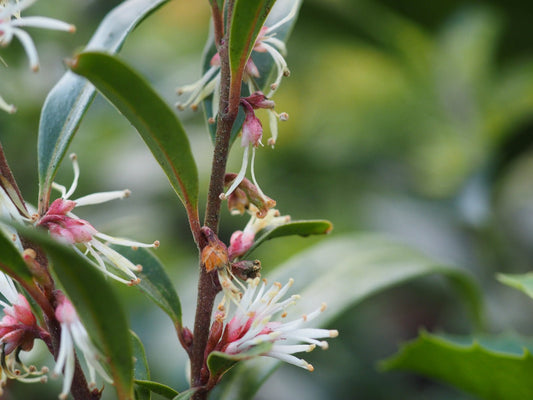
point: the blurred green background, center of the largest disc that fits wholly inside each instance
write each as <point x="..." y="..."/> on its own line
<point x="406" y="118"/>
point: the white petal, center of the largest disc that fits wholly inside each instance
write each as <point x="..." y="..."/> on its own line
<point x="29" y="47"/>
<point x="43" y="22"/>
<point x="101" y="197"/>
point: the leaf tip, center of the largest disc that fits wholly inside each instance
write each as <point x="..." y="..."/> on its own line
<point x="72" y="63"/>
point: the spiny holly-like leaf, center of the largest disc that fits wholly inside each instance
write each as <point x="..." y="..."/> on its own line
<point x="141" y="371"/>
<point x="264" y="62"/>
<point x="219" y="363"/>
<point x="342" y="272"/>
<point x="158" y="388"/>
<point x="71" y="96"/>
<point x="301" y="228"/>
<point x="98" y="307"/>
<point x="522" y="282"/>
<point x="149" y="114"/>
<point x="493" y="368"/>
<point x="155" y="282"/>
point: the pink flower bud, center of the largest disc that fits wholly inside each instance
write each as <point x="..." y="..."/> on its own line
<point x="240" y="243"/>
<point x="252" y="130"/>
<point x="259" y="100"/>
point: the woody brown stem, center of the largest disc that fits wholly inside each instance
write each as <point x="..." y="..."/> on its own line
<point x="208" y="286"/>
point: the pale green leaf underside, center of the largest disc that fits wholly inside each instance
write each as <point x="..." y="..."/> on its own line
<point x="155" y="121"/>
<point x="493" y="368"/>
<point x="343" y="272"/>
<point x="67" y="102"/>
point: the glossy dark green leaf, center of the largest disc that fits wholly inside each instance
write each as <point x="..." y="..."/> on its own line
<point x="141" y="371"/>
<point x="11" y="261"/>
<point x="155" y="282"/>
<point x="71" y="96"/>
<point x="98" y="307"/>
<point x="157" y="124"/>
<point x="492" y="368"/>
<point x="264" y="62"/>
<point x="342" y="272"/>
<point x="219" y="363"/>
<point x="158" y="388"/>
<point x="300" y="228"/>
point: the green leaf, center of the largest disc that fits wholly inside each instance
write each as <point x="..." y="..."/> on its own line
<point x="301" y="228"/>
<point x="67" y="102"/>
<point x="219" y="363"/>
<point x="155" y="282"/>
<point x="149" y="114"/>
<point x="141" y="371"/>
<point x="264" y="62"/>
<point x="343" y="272"/>
<point x="11" y="261"/>
<point x="156" y="387"/>
<point x="493" y="368"/>
<point x="522" y="282"/>
<point x="186" y="395"/>
<point x="97" y="305"/>
<point x="246" y="22"/>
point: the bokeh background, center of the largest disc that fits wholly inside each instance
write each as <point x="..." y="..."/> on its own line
<point x="406" y="118"/>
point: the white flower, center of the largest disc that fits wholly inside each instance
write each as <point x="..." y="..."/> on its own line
<point x="259" y="318"/>
<point x="73" y="334"/>
<point x="67" y="227"/>
<point x="11" y="23"/>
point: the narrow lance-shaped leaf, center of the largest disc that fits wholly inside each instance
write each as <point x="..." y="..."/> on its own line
<point x="71" y="96"/>
<point x="300" y="228"/>
<point x="493" y="368"/>
<point x="158" y="388"/>
<point x="141" y="370"/>
<point x="98" y="307"/>
<point x="342" y="272"/>
<point x="186" y="395"/>
<point x="155" y="282"/>
<point x="246" y="22"/>
<point x="149" y="114"/>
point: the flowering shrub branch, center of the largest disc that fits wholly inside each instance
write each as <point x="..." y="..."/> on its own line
<point x="250" y="319"/>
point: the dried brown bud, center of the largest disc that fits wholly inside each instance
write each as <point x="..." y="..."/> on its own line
<point x="215" y="253"/>
<point x="246" y="269"/>
<point x="245" y="194"/>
